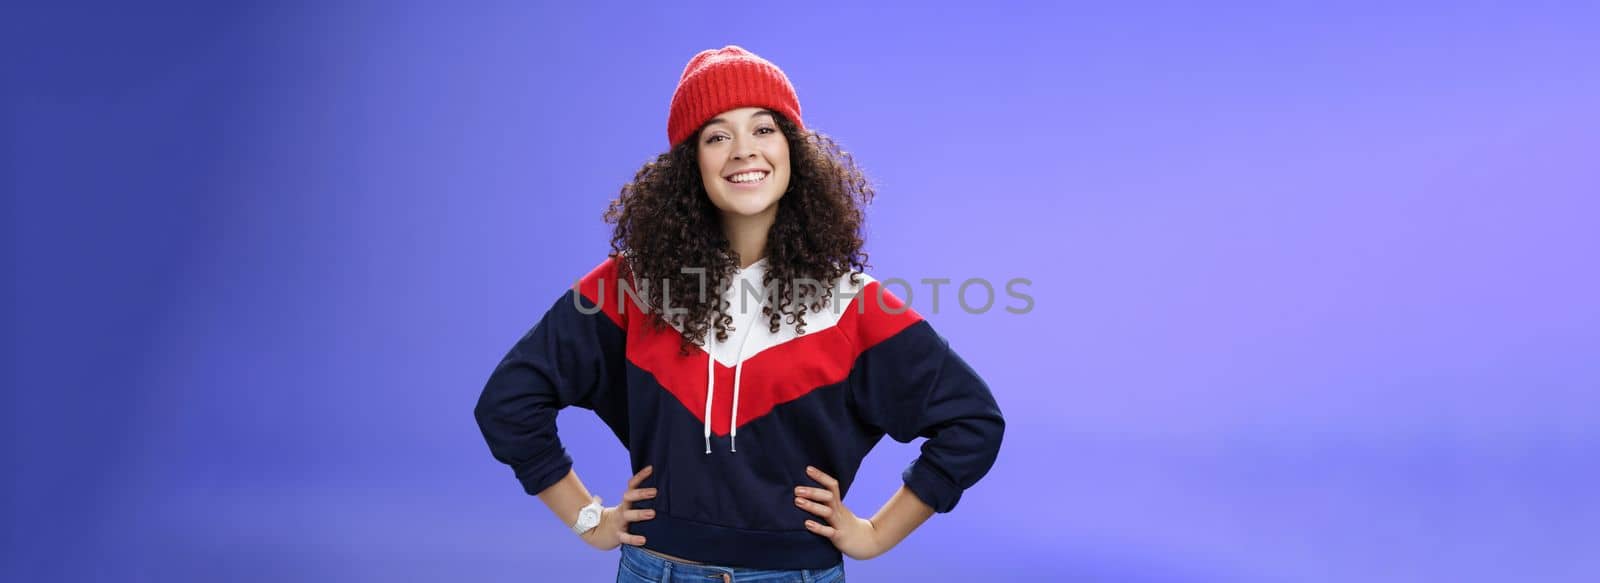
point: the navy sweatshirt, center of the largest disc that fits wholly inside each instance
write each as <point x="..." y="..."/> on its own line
<point x="731" y="428"/>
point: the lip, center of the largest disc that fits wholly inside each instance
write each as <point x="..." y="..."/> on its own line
<point x="766" y="174"/>
<point x="744" y="170"/>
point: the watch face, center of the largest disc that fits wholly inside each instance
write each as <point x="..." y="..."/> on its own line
<point x="589" y="516"/>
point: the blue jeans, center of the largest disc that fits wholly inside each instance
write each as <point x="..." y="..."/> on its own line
<point x="638" y="566"/>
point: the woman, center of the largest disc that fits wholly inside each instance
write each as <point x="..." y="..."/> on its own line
<point x="736" y="348"/>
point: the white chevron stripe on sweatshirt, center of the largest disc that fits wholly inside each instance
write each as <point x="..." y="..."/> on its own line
<point x="745" y="299"/>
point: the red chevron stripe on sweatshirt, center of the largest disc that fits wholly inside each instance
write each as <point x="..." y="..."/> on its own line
<point x="772" y="377"/>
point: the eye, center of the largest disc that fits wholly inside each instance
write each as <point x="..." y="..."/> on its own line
<point x="766" y="130"/>
<point x="713" y="138"/>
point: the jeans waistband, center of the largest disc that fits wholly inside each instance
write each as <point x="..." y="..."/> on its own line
<point x="643" y="562"/>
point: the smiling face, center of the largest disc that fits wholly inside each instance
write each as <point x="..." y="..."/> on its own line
<point x="744" y="162"/>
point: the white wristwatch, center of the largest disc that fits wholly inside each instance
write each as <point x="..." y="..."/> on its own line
<point x="588" y="517"/>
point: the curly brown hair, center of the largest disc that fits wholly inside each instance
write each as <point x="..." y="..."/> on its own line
<point x="665" y="222"/>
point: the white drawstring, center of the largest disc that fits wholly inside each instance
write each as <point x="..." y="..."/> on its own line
<point x="733" y="418"/>
<point x="711" y="385"/>
<point x="738" y="373"/>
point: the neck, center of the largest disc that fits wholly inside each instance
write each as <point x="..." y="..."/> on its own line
<point x="747" y="235"/>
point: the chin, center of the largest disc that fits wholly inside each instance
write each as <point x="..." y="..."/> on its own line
<point x="748" y="206"/>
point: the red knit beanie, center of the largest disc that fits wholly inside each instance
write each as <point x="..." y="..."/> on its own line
<point x="727" y="78"/>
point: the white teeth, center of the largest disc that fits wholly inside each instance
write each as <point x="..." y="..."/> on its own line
<point x="747" y="176"/>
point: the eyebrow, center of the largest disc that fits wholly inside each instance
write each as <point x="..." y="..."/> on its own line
<point x="717" y="120"/>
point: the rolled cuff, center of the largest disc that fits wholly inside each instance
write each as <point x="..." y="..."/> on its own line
<point x="537" y="477"/>
<point x="931" y="486"/>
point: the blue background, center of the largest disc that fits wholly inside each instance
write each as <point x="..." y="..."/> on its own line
<point x="1316" y="287"/>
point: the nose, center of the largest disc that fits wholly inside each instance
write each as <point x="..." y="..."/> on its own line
<point x="744" y="149"/>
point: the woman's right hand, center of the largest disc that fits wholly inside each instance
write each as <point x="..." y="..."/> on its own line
<point x="613" y="528"/>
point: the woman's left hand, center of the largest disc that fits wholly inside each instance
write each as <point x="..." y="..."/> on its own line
<point x="852" y="535"/>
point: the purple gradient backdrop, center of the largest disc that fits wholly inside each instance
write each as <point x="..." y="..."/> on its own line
<point x="1316" y="287"/>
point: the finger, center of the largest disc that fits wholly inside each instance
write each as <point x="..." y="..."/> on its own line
<point x="638" y="515"/>
<point x="639" y="494"/>
<point x="822" y="510"/>
<point x="818" y="494"/>
<point x="826" y="480"/>
<point x="639" y="477"/>
<point x="820" y="529"/>
<point x="631" y="539"/>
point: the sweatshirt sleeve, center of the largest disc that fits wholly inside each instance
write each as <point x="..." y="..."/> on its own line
<point x="909" y="383"/>
<point x="574" y="356"/>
